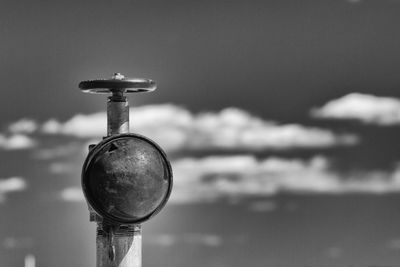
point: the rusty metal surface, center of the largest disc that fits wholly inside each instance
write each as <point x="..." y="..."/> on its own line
<point x="117" y="116"/>
<point x="127" y="178"/>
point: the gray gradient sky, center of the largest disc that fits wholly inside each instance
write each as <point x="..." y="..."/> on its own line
<point x="268" y="61"/>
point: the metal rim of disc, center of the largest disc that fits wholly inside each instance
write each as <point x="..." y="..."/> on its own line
<point x="89" y="160"/>
<point x="107" y="86"/>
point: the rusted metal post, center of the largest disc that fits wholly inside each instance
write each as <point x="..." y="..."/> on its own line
<point x="120" y="190"/>
<point x="117" y="114"/>
<point x="118" y="246"/>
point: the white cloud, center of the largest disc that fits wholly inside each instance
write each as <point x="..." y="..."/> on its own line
<point x="202" y="239"/>
<point x="63" y="168"/>
<point x="211" y="178"/>
<point x="62" y="151"/>
<point x="176" y="128"/>
<point x="72" y="194"/>
<point x="165" y="240"/>
<point x="52" y="126"/>
<point x="234" y="177"/>
<point x="24" y="126"/>
<point x="12" y="184"/>
<point x="366" y="108"/>
<point x="92" y="125"/>
<point x="9" y="185"/>
<point x="16" y="142"/>
<point x="209" y="240"/>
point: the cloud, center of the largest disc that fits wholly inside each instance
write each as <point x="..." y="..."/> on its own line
<point x="197" y="239"/>
<point x="9" y="185"/>
<point x="368" y="109"/>
<point x="16" y="142"/>
<point x="61" y="151"/>
<point x="72" y="194"/>
<point x="211" y="178"/>
<point x="165" y="240"/>
<point x="92" y="125"/>
<point x="63" y="168"/>
<point x="209" y="240"/>
<point x="176" y="128"/>
<point x="23" y="126"/>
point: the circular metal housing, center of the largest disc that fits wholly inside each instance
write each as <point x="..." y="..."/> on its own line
<point x="106" y="86"/>
<point x="127" y="178"/>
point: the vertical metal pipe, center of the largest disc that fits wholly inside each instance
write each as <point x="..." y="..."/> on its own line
<point x="30" y="260"/>
<point x="117" y="114"/>
<point x="118" y="245"/>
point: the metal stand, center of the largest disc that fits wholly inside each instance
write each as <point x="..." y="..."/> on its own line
<point x="117" y="114"/>
<point x="122" y="180"/>
<point x="117" y="245"/>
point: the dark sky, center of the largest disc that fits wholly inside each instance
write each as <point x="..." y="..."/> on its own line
<point x="273" y="60"/>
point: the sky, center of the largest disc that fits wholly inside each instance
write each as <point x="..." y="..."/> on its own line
<point x="280" y="118"/>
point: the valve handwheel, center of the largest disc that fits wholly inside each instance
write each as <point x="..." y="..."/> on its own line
<point x="117" y="83"/>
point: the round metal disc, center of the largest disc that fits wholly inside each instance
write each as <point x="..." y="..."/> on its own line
<point x="127" y="178"/>
<point x="107" y="86"/>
